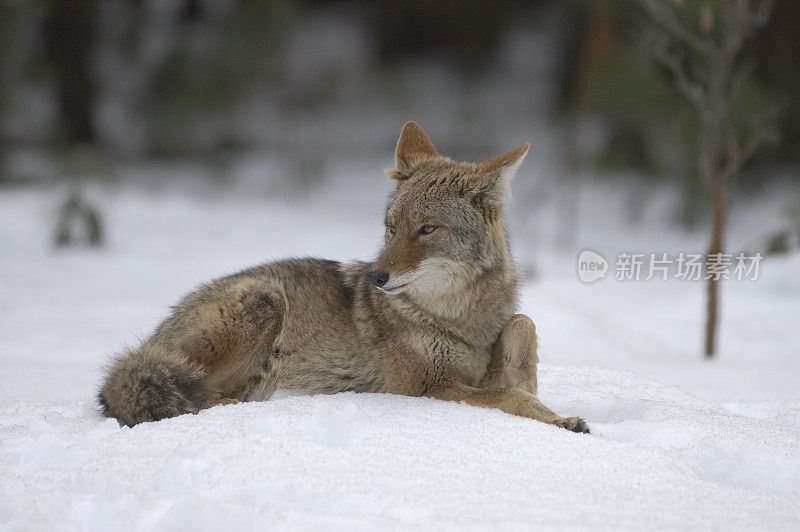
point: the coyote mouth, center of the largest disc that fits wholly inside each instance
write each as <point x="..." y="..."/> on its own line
<point x="404" y="281"/>
<point x="393" y="289"/>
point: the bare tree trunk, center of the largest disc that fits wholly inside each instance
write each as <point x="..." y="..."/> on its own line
<point x="709" y="86"/>
<point x="713" y="120"/>
<point x="716" y="246"/>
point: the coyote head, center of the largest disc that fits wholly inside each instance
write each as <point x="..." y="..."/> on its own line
<point x="444" y="224"/>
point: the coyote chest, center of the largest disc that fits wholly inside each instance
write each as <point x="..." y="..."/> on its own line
<point x="447" y="359"/>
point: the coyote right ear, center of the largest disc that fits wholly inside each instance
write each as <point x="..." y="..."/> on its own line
<point x="493" y="180"/>
<point x="412" y="144"/>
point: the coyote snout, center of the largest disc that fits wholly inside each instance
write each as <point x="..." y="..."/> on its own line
<point x="393" y="284"/>
<point x="378" y="278"/>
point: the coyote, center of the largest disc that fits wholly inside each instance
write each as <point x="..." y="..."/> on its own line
<point x="433" y="316"/>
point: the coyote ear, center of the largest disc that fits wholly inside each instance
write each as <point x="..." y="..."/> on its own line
<point x="412" y="144"/>
<point x="493" y="179"/>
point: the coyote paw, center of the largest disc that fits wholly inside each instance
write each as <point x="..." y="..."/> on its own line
<point x="575" y="424"/>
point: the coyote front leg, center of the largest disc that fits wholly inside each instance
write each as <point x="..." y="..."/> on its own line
<point x="509" y="400"/>
<point x="510" y="382"/>
<point x="514" y="357"/>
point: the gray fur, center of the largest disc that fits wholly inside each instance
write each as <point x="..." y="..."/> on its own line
<point x="151" y="384"/>
<point x="322" y="327"/>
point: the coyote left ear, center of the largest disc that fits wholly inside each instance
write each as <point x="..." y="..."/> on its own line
<point x="493" y="179"/>
<point x="412" y="144"/>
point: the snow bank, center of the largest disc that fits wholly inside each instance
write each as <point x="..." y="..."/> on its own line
<point x="656" y="458"/>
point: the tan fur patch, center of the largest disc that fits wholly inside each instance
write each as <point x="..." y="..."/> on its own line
<point x="397" y="175"/>
<point x="214" y="342"/>
<point x="401" y="255"/>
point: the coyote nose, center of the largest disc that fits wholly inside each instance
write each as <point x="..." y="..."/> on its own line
<point x="379" y="278"/>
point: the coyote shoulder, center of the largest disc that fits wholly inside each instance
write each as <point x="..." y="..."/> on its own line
<point x="433" y="316"/>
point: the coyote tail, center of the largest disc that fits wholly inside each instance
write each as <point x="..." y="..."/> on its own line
<point x="152" y="383"/>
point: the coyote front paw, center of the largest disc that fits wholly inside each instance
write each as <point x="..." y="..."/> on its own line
<point x="575" y="424"/>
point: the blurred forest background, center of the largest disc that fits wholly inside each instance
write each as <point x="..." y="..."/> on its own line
<point x="269" y="96"/>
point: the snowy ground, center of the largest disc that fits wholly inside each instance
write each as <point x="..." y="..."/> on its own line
<point x="676" y="442"/>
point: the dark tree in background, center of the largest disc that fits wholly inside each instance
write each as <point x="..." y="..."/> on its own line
<point x="700" y="44"/>
<point x="69" y="34"/>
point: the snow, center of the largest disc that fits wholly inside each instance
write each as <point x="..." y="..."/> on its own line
<point x="657" y="458"/>
<point x="676" y="442"/>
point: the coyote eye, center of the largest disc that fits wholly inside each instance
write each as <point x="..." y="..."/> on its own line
<point x="390" y="229"/>
<point x="427" y="229"/>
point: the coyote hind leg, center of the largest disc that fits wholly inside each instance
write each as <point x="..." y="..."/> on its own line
<point x="233" y="338"/>
<point x="216" y="348"/>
